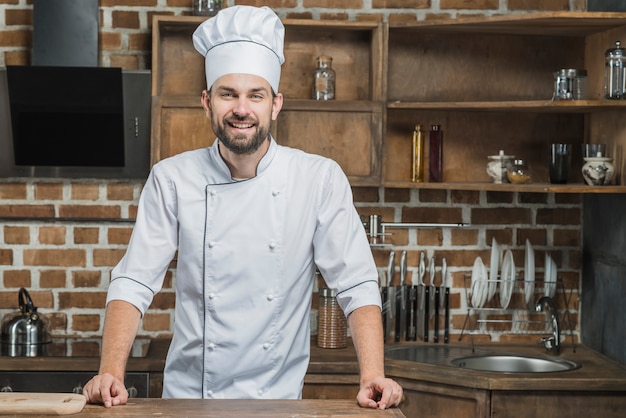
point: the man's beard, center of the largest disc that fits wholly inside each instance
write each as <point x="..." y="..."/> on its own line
<point x="240" y="144"/>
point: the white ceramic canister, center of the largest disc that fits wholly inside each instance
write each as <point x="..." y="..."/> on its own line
<point x="598" y="171"/>
<point x="496" y="167"/>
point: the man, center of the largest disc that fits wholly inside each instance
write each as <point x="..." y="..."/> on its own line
<point x="251" y="221"/>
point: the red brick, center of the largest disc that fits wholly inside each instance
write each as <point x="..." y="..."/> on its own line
<point x="397" y="195"/>
<point x="86" y="300"/>
<point x="82" y="322"/>
<point x="54" y="235"/>
<point x="469" y="4"/>
<point x="48" y="191"/>
<point x="566" y="237"/>
<point x="18" y="17"/>
<point x="463" y="236"/>
<point x="433" y="196"/>
<point x="16" y="38"/>
<point x="401" y="4"/>
<point x="545" y="5"/>
<point x="27" y="211"/>
<point x="432" y="215"/>
<point x="125" y="19"/>
<point x="52" y="278"/>
<point x="12" y="191"/>
<point x="86" y="278"/>
<point x="107" y="257"/>
<point x="6" y="257"/>
<point x="365" y="194"/>
<point x="17" y="278"/>
<point x="84" y="191"/>
<point x="17" y="235"/>
<point x="120" y="191"/>
<point x="500" y="216"/>
<point x="535" y="236"/>
<point x="163" y="300"/>
<point x="334" y="4"/>
<point x="119" y="235"/>
<point x="502" y="236"/>
<point x="45" y="257"/>
<point x="559" y="216"/>
<point x="89" y="211"/>
<point x="470" y="197"/>
<point x="429" y="237"/>
<point x="86" y="235"/>
<point x="110" y="41"/>
<point x="156" y="322"/>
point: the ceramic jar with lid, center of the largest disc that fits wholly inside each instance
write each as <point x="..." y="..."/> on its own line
<point x="598" y="171"/>
<point x="496" y="167"/>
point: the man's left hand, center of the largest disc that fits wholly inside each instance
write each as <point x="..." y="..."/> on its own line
<point x="380" y="392"/>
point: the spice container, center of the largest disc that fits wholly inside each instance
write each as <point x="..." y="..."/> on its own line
<point x="331" y="321"/>
<point x="570" y="84"/>
<point x="435" y="154"/>
<point x="518" y="172"/>
<point x="417" y="172"/>
<point x="206" y="7"/>
<point x="324" y="79"/>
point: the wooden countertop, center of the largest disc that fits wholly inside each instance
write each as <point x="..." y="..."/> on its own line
<point x="598" y="372"/>
<point x="223" y="408"/>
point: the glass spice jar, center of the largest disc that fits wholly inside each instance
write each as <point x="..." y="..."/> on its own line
<point x="206" y="7"/>
<point x="518" y="172"/>
<point x="324" y="79"/>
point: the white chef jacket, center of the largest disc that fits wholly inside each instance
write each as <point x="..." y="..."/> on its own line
<point x="247" y="255"/>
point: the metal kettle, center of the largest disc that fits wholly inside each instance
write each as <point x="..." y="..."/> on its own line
<point x="24" y="333"/>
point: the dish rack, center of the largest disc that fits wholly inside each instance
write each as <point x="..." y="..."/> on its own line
<point x="518" y="317"/>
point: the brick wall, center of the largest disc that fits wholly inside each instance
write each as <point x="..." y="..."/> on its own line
<point x="60" y="239"/>
<point x="73" y="232"/>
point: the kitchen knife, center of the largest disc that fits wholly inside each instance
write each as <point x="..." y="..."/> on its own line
<point x="426" y="316"/>
<point x="384" y="296"/>
<point x="419" y="314"/>
<point x="388" y="308"/>
<point x="446" y="300"/>
<point x="437" y="302"/>
<point x="401" y="299"/>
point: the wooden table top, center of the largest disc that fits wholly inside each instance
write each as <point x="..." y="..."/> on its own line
<point x="224" y="408"/>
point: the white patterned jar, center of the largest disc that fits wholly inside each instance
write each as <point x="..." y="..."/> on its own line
<point x="598" y="171"/>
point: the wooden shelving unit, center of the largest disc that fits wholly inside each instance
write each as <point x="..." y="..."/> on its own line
<point x="488" y="82"/>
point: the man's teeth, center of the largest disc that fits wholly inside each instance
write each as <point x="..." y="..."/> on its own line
<point x="242" y="125"/>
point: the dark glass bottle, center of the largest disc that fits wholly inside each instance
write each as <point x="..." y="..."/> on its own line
<point x="435" y="154"/>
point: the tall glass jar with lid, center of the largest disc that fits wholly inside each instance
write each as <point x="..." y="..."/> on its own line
<point x="324" y="79"/>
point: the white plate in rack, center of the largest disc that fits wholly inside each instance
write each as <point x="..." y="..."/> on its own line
<point x="529" y="272"/>
<point x="478" y="283"/>
<point x="507" y="276"/>
<point x="550" y="276"/>
<point x="494" y="266"/>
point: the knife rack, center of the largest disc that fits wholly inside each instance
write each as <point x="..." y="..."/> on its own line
<point x="518" y="318"/>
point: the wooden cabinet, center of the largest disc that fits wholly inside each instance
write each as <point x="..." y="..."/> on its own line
<point x="348" y="129"/>
<point x="488" y="81"/>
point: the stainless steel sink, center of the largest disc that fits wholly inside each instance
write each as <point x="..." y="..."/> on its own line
<point x="479" y="359"/>
<point x="513" y="363"/>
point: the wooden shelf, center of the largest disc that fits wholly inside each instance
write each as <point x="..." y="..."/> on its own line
<point x="541" y="106"/>
<point x="508" y="187"/>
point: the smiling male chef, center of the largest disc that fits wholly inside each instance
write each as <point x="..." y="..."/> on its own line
<point x="251" y="221"/>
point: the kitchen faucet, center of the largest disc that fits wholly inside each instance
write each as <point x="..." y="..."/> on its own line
<point x="553" y="343"/>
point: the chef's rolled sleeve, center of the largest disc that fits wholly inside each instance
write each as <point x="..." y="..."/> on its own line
<point x="131" y="291"/>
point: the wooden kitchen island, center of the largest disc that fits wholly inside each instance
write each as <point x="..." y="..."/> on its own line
<point x="224" y="408"/>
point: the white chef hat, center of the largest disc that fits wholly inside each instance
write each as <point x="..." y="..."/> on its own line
<point x="242" y="40"/>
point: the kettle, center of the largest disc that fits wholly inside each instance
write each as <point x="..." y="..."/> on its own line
<point x="24" y="333"/>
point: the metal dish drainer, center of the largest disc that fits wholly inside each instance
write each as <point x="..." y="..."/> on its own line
<point x="518" y="317"/>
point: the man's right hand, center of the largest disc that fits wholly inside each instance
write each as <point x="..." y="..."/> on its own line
<point x="106" y="389"/>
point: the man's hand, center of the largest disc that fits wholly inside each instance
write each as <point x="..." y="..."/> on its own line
<point x="106" y="389"/>
<point x="380" y="393"/>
